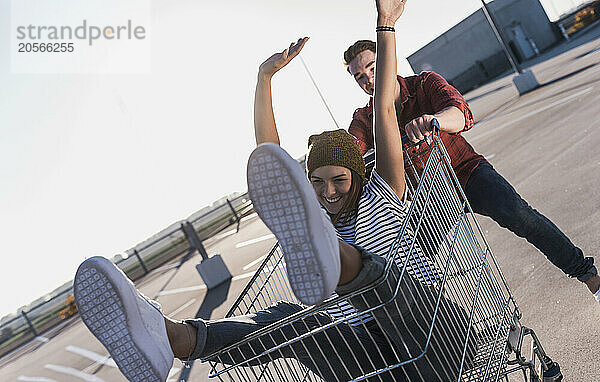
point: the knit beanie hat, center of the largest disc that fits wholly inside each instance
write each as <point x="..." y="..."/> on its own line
<point x="334" y="148"/>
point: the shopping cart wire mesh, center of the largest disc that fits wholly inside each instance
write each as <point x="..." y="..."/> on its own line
<point x="399" y="328"/>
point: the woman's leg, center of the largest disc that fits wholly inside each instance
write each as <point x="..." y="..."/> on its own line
<point x="339" y="353"/>
<point x="196" y="338"/>
<point x="350" y="263"/>
<point x="405" y="310"/>
<point x="328" y="354"/>
<point x="208" y="337"/>
<point x="288" y="205"/>
<point x="143" y="342"/>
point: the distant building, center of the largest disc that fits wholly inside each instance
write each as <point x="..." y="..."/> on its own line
<point x="469" y="54"/>
<point x="579" y="18"/>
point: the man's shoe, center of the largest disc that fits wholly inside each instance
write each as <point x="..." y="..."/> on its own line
<point x="287" y="204"/>
<point x="130" y="326"/>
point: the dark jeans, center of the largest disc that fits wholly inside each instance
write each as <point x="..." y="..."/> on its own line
<point x="343" y="352"/>
<point x="491" y="195"/>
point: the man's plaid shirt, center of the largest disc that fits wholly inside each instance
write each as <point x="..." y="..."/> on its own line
<point x="426" y="93"/>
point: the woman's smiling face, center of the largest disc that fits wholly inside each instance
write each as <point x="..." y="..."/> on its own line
<point x="332" y="185"/>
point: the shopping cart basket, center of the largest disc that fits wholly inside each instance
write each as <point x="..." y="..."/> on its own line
<point x="463" y="327"/>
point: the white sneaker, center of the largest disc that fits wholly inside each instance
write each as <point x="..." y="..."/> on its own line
<point x="130" y="326"/>
<point x="287" y="204"/>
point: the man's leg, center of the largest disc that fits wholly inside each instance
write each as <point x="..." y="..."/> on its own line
<point x="491" y="195"/>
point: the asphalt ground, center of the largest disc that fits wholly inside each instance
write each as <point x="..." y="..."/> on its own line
<point x="73" y="354"/>
<point x="545" y="143"/>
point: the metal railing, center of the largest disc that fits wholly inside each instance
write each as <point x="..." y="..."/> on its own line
<point x="137" y="262"/>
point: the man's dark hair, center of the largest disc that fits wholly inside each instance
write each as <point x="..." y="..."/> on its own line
<point x="356" y="48"/>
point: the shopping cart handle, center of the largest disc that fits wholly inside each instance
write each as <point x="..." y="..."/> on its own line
<point x="369" y="156"/>
<point x="435" y="127"/>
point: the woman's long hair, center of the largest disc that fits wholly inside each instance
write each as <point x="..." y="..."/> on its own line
<point x="348" y="211"/>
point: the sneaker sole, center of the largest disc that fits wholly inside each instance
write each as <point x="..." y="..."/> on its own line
<point x="102" y="307"/>
<point x="273" y="185"/>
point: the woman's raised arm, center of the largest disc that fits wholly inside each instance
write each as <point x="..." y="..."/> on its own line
<point x="264" y="120"/>
<point x="388" y="143"/>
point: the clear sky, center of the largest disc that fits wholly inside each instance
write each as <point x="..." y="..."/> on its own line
<point x="93" y="164"/>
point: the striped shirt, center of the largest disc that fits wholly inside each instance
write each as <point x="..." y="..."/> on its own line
<point x="379" y="218"/>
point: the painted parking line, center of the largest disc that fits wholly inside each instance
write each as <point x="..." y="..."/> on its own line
<point x="537" y="111"/>
<point x="243" y="276"/>
<point x="181" y="290"/>
<point x="488" y="157"/>
<point x="35" y="379"/>
<point x="182" y="307"/>
<point x="232" y="231"/>
<point x="203" y="286"/>
<point x="41" y="339"/>
<point x="253" y="263"/>
<point x="250" y="274"/>
<point x="74" y="372"/>
<point x="251" y="216"/>
<point x="254" y="241"/>
<point x="165" y="268"/>
<point x="172" y="377"/>
<point x="98" y="359"/>
<point x="224" y="234"/>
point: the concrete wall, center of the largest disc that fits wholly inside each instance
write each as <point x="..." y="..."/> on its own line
<point x="469" y="54"/>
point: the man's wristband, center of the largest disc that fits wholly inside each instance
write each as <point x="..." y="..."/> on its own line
<point x="384" y="29"/>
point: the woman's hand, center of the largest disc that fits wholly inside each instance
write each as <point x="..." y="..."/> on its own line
<point x="281" y="59"/>
<point x="389" y="11"/>
<point x="265" y="129"/>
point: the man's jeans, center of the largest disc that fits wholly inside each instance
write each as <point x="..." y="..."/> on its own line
<point x="491" y="195"/>
<point x="344" y="352"/>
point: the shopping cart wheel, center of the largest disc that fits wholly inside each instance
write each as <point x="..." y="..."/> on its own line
<point x="553" y="373"/>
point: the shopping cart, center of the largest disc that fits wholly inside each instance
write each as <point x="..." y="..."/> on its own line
<point x="464" y="327"/>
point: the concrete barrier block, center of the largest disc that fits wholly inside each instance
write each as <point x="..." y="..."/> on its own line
<point x="525" y="82"/>
<point x="213" y="271"/>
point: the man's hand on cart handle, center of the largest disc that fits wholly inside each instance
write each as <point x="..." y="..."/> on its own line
<point x="419" y="129"/>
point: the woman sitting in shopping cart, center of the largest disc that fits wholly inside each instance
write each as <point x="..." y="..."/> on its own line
<point x="339" y="234"/>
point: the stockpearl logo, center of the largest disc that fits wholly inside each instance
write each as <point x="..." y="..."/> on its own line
<point x="74" y="36"/>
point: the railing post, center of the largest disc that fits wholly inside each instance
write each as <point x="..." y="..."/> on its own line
<point x="135" y="252"/>
<point x="29" y="323"/>
<point x="563" y="31"/>
<point x="192" y="237"/>
<point x="235" y="215"/>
